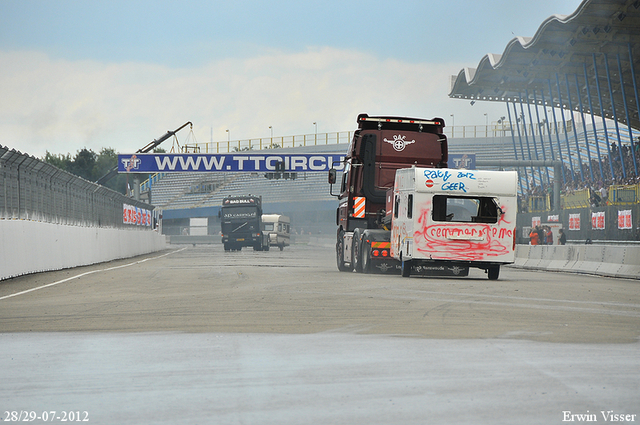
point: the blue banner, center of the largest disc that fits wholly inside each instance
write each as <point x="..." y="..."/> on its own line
<point x="232" y="162"/>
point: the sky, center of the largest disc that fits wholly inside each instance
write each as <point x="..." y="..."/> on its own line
<point x="91" y="74"/>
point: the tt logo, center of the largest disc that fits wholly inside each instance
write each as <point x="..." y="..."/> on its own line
<point x="464" y="162"/>
<point x="132" y="163"/>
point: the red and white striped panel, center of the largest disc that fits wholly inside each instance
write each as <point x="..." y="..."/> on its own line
<point x="358" y="207"/>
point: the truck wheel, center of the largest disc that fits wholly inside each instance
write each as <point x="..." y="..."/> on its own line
<point x="406" y="268"/>
<point x="281" y="247"/>
<point x="356" y="251"/>
<point x="366" y="259"/>
<point x="342" y="266"/>
<point x="493" y="272"/>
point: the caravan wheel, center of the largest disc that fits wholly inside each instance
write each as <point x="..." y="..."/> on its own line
<point x="493" y="272"/>
<point x="406" y="268"/>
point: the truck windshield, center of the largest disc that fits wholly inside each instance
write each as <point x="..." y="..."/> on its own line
<point x="465" y="209"/>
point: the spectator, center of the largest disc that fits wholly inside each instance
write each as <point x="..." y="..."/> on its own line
<point x="562" y="239"/>
<point x="595" y="198"/>
<point x="603" y="194"/>
<point x="533" y="236"/>
<point x="541" y="235"/>
<point x="548" y="235"/>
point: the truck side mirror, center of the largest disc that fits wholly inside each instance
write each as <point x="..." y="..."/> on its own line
<point x="332" y="176"/>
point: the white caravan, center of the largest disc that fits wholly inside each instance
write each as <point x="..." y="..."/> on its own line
<point x="453" y="219"/>
<point x="278" y="227"/>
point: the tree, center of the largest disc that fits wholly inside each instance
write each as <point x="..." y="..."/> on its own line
<point x="84" y="163"/>
<point x="106" y="160"/>
<point x="61" y="161"/>
<point x="91" y="166"/>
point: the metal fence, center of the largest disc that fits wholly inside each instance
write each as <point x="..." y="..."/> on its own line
<point x="267" y="143"/>
<point x="31" y="189"/>
<point x="625" y="195"/>
<point x="495" y="129"/>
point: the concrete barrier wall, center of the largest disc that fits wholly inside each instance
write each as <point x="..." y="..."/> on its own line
<point x="603" y="260"/>
<point x="31" y="246"/>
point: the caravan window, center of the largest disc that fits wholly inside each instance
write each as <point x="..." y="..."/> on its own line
<point x="465" y="209"/>
<point x="396" y="206"/>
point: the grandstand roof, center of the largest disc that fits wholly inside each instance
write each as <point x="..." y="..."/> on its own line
<point x="561" y="55"/>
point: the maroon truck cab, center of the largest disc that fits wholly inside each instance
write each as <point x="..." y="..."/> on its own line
<point x="379" y="147"/>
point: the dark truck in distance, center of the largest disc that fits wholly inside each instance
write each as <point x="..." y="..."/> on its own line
<point x="241" y="219"/>
<point x="380" y="146"/>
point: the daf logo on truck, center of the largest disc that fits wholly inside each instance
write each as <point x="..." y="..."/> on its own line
<point x="399" y="143"/>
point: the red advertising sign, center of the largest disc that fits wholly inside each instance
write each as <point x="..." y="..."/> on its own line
<point x="536" y="221"/>
<point x="597" y="220"/>
<point x="574" y="221"/>
<point x="624" y="219"/>
<point x="135" y="215"/>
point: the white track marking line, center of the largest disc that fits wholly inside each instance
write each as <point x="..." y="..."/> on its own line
<point x="88" y="273"/>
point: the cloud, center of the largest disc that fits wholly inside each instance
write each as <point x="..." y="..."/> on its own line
<point x="62" y="106"/>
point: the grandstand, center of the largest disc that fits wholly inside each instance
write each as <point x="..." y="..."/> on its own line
<point x="194" y="190"/>
<point x="304" y="197"/>
<point x="581" y="71"/>
<point x="189" y="191"/>
<point x="171" y="191"/>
